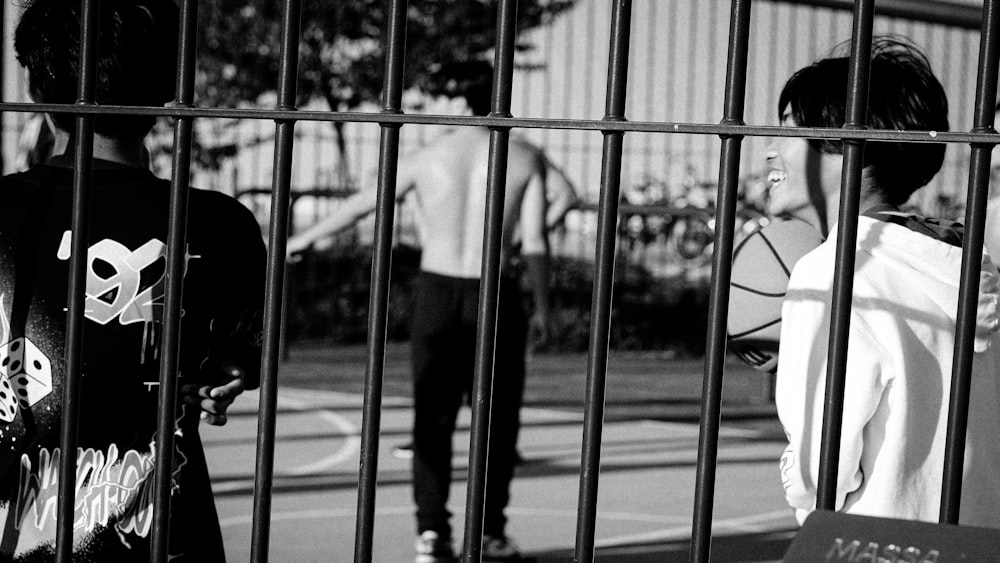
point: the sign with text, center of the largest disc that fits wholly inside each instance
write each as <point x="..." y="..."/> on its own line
<point x="837" y="537"/>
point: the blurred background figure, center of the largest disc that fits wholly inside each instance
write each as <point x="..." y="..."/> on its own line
<point x="448" y="179"/>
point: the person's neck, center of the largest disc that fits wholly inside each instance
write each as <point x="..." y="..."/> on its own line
<point x="127" y="152"/>
<point x="871" y="195"/>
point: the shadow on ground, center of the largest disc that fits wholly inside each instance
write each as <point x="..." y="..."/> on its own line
<point x="639" y="385"/>
<point x="758" y="547"/>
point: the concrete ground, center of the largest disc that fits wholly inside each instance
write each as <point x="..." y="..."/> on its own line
<point x="647" y="477"/>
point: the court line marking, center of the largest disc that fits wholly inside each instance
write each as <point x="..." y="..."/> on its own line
<point x="343" y="399"/>
<point x="738" y="524"/>
<point x="311" y="514"/>
<point x="305" y="400"/>
<point x="313" y="398"/>
<point x="356" y="400"/>
<point x="350" y="447"/>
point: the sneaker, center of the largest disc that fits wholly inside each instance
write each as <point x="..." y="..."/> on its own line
<point x="499" y="549"/>
<point x="432" y="548"/>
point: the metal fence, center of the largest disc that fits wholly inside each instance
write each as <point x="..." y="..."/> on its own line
<point x="613" y="127"/>
<point x="679" y="55"/>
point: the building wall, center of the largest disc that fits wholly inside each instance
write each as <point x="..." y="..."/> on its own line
<point x="676" y="74"/>
<point x="14" y="89"/>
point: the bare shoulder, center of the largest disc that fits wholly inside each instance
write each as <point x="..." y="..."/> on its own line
<point x="525" y="152"/>
<point x="462" y="139"/>
<point x="521" y="143"/>
<point x="444" y="145"/>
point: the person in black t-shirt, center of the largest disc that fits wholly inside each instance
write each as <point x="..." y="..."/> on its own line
<point x="222" y="302"/>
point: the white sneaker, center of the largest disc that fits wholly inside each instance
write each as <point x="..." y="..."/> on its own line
<point x="432" y="548"/>
<point x="499" y="549"/>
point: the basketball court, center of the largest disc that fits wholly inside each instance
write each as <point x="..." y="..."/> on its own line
<point x="647" y="478"/>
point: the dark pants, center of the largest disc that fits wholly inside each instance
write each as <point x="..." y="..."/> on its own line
<point x="443" y="333"/>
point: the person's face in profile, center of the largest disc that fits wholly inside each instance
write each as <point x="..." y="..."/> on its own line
<point x="802" y="182"/>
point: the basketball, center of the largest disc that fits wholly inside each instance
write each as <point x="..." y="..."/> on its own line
<point x="762" y="264"/>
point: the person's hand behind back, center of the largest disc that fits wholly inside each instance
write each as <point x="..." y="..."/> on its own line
<point x="214" y="399"/>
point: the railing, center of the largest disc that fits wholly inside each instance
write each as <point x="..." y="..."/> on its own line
<point x="613" y="126"/>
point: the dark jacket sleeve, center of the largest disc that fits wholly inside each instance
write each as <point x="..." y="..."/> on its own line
<point x="238" y="309"/>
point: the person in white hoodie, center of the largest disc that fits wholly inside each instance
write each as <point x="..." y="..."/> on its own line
<point x="905" y="299"/>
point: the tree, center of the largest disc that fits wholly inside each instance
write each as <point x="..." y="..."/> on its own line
<point x="341" y="45"/>
<point x="341" y="48"/>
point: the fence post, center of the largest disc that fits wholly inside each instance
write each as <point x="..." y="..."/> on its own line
<point x="847" y="237"/>
<point x="176" y="262"/>
<point x="600" y="318"/>
<point x="284" y="138"/>
<point x="722" y="262"/>
<point x="378" y="303"/>
<point x="968" y="298"/>
<point x="76" y="298"/>
<point x="489" y="282"/>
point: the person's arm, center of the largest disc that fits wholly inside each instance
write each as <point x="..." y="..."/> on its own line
<point x="350" y="211"/>
<point x="353" y="209"/>
<point x="560" y="194"/>
<point x="237" y="311"/>
<point x="801" y="388"/>
<point x="992" y="239"/>
<point x="535" y="251"/>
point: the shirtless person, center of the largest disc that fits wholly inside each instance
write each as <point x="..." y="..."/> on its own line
<point x="448" y="179"/>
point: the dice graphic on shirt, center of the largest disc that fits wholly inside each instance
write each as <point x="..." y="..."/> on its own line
<point x="26" y="375"/>
<point x="8" y="401"/>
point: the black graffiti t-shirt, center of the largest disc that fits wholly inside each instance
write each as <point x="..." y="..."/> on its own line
<point x="125" y="280"/>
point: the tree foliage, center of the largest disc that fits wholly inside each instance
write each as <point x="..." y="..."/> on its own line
<point x="341" y="45"/>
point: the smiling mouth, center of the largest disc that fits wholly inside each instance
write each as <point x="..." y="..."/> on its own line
<point x="774" y="178"/>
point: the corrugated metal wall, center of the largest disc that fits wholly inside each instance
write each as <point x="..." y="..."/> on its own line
<point x="567" y="81"/>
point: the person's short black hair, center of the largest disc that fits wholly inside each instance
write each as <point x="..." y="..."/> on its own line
<point x="903" y="94"/>
<point x="136" y="65"/>
<point x="472" y="80"/>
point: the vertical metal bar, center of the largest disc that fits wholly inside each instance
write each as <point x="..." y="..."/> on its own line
<point x="286" y="300"/>
<point x="690" y="81"/>
<point x="489" y="285"/>
<point x="847" y="236"/>
<point x="378" y="303"/>
<point x="975" y="220"/>
<point x="722" y="261"/>
<point x="277" y="243"/>
<point x="3" y="80"/>
<point x="77" y="285"/>
<point x="600" y="323"/>
<point x="176" y="251"/>
<point x="652" y="102"/>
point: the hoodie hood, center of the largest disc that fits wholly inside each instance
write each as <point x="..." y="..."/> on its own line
<point x="987" y="321"/>
<point x="936" y="265"/>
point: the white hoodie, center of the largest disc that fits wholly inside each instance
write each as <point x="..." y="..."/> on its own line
<point x="899" y="365"/>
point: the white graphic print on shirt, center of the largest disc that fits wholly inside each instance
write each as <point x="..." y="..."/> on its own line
<point x="115" y="288"/>
<point x="25" y="371"/>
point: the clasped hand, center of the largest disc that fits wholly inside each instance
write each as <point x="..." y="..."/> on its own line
<point x="213" y="400"/>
